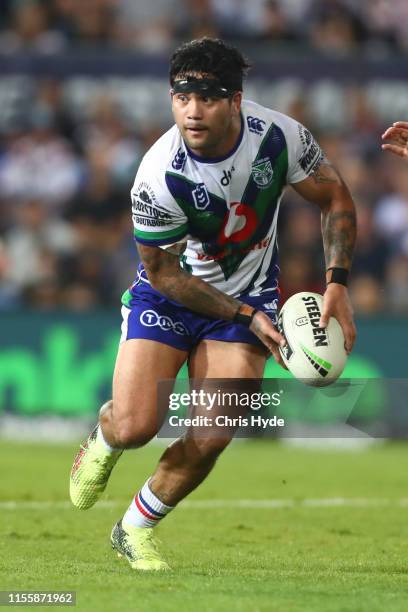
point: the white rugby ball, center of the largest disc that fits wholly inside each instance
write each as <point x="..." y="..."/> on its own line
<point x="314" y="355"/>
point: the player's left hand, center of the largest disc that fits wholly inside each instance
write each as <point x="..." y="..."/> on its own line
<point x="263" y="327"/>
<point x="336" y="303"/>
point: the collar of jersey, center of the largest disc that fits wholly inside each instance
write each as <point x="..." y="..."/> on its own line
<point x="216" y="160"/>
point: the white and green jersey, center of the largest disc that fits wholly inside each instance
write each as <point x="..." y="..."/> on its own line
<point x="225" y="208"/>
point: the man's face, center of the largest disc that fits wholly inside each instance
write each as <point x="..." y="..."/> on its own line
<point x="206" y="124"/>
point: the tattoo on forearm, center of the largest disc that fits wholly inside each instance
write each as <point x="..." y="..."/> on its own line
<point x="339" y="235"/>
<point x="326" y="173"/>
<point x="198" y="295"/>
<point x="166" y="275"/>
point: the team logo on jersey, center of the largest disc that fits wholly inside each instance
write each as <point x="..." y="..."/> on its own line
<point x="200" y="196"/>
<point x="255" y="125"/>
<point x="262" y="172"/>
<point x="179" y="160"/>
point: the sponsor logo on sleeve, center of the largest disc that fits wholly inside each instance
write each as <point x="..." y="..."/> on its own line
<point x="255" y="125"/>
<point x="262" y="172"/>
<point x="200" y="196"/>
<point x="179" y="160"/>
<point x="145" y="208"/>
<point x="312" y="154"/>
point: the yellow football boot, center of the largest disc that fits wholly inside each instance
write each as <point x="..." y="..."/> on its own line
<point x="138" y="546"/>
<point x="90" y="472"/>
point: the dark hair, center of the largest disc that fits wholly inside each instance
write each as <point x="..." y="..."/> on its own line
<point x="213" y="57"/>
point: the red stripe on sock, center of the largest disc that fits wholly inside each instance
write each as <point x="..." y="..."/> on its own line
<point x="145" y="512"/>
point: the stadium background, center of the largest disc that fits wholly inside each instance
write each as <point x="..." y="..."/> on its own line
<point x="83" y="94"/>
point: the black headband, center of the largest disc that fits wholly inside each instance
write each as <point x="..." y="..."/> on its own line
<point x="211" y="88"/>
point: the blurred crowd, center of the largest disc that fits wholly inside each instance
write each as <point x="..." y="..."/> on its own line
<point x="66" y="237"/>
<point x="65" y="224"/>
<point x="331" y="26"/>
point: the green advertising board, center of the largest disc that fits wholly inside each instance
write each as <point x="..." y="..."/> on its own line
<point x="62" y="363"/>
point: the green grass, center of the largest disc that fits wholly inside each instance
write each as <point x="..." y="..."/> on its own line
<point x="297" y="558"/>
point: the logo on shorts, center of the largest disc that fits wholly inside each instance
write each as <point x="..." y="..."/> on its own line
<point x="285" y="350"/>
<point x="150" y="318"/>
<point x="270" y="308"/>
<point x="262" y="172"/>
<point x="271" y="305"/>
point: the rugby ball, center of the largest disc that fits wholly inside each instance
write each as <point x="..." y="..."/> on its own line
<point x="314" y="355"/>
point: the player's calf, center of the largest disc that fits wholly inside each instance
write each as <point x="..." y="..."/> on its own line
<point x="202" y="450"/>
<point x="190" y="456"/>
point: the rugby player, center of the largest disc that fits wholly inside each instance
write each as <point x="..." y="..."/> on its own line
<point x="397" y="133"/>
<point x="205" y="207"/>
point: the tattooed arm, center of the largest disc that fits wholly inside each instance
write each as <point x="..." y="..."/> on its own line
<point x="327" y="189"/>
<point x="165" y="275"/>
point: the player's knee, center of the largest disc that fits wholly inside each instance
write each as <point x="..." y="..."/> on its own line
<point x="105" y="409"/>
<point x="129" y="434"/>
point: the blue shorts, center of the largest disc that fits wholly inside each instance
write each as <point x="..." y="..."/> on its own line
<point x="152" y="316"/>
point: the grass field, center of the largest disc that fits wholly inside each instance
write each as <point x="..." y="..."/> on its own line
<point x="335" y="538"/>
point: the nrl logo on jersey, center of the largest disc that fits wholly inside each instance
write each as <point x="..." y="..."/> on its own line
<point x="200" y="196"/>
<point x="262" y="172"/>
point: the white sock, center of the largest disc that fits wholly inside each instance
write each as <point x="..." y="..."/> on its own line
<point x="101" y="439"/>
<point x="146" y="510"/>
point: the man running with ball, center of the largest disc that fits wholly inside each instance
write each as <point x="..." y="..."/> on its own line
<point x="205" y="207"/>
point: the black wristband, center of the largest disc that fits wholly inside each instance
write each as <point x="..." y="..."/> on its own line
<point x="244" y="315"/>
<point x="337" y="275"/>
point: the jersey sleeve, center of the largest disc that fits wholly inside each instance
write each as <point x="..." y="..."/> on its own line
<point x="157" y="218"/>
<point x="304" y="152"/>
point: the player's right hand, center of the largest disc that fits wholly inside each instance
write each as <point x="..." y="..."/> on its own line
<point x="263" y="327"/>
<point x="398" y="135"/>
